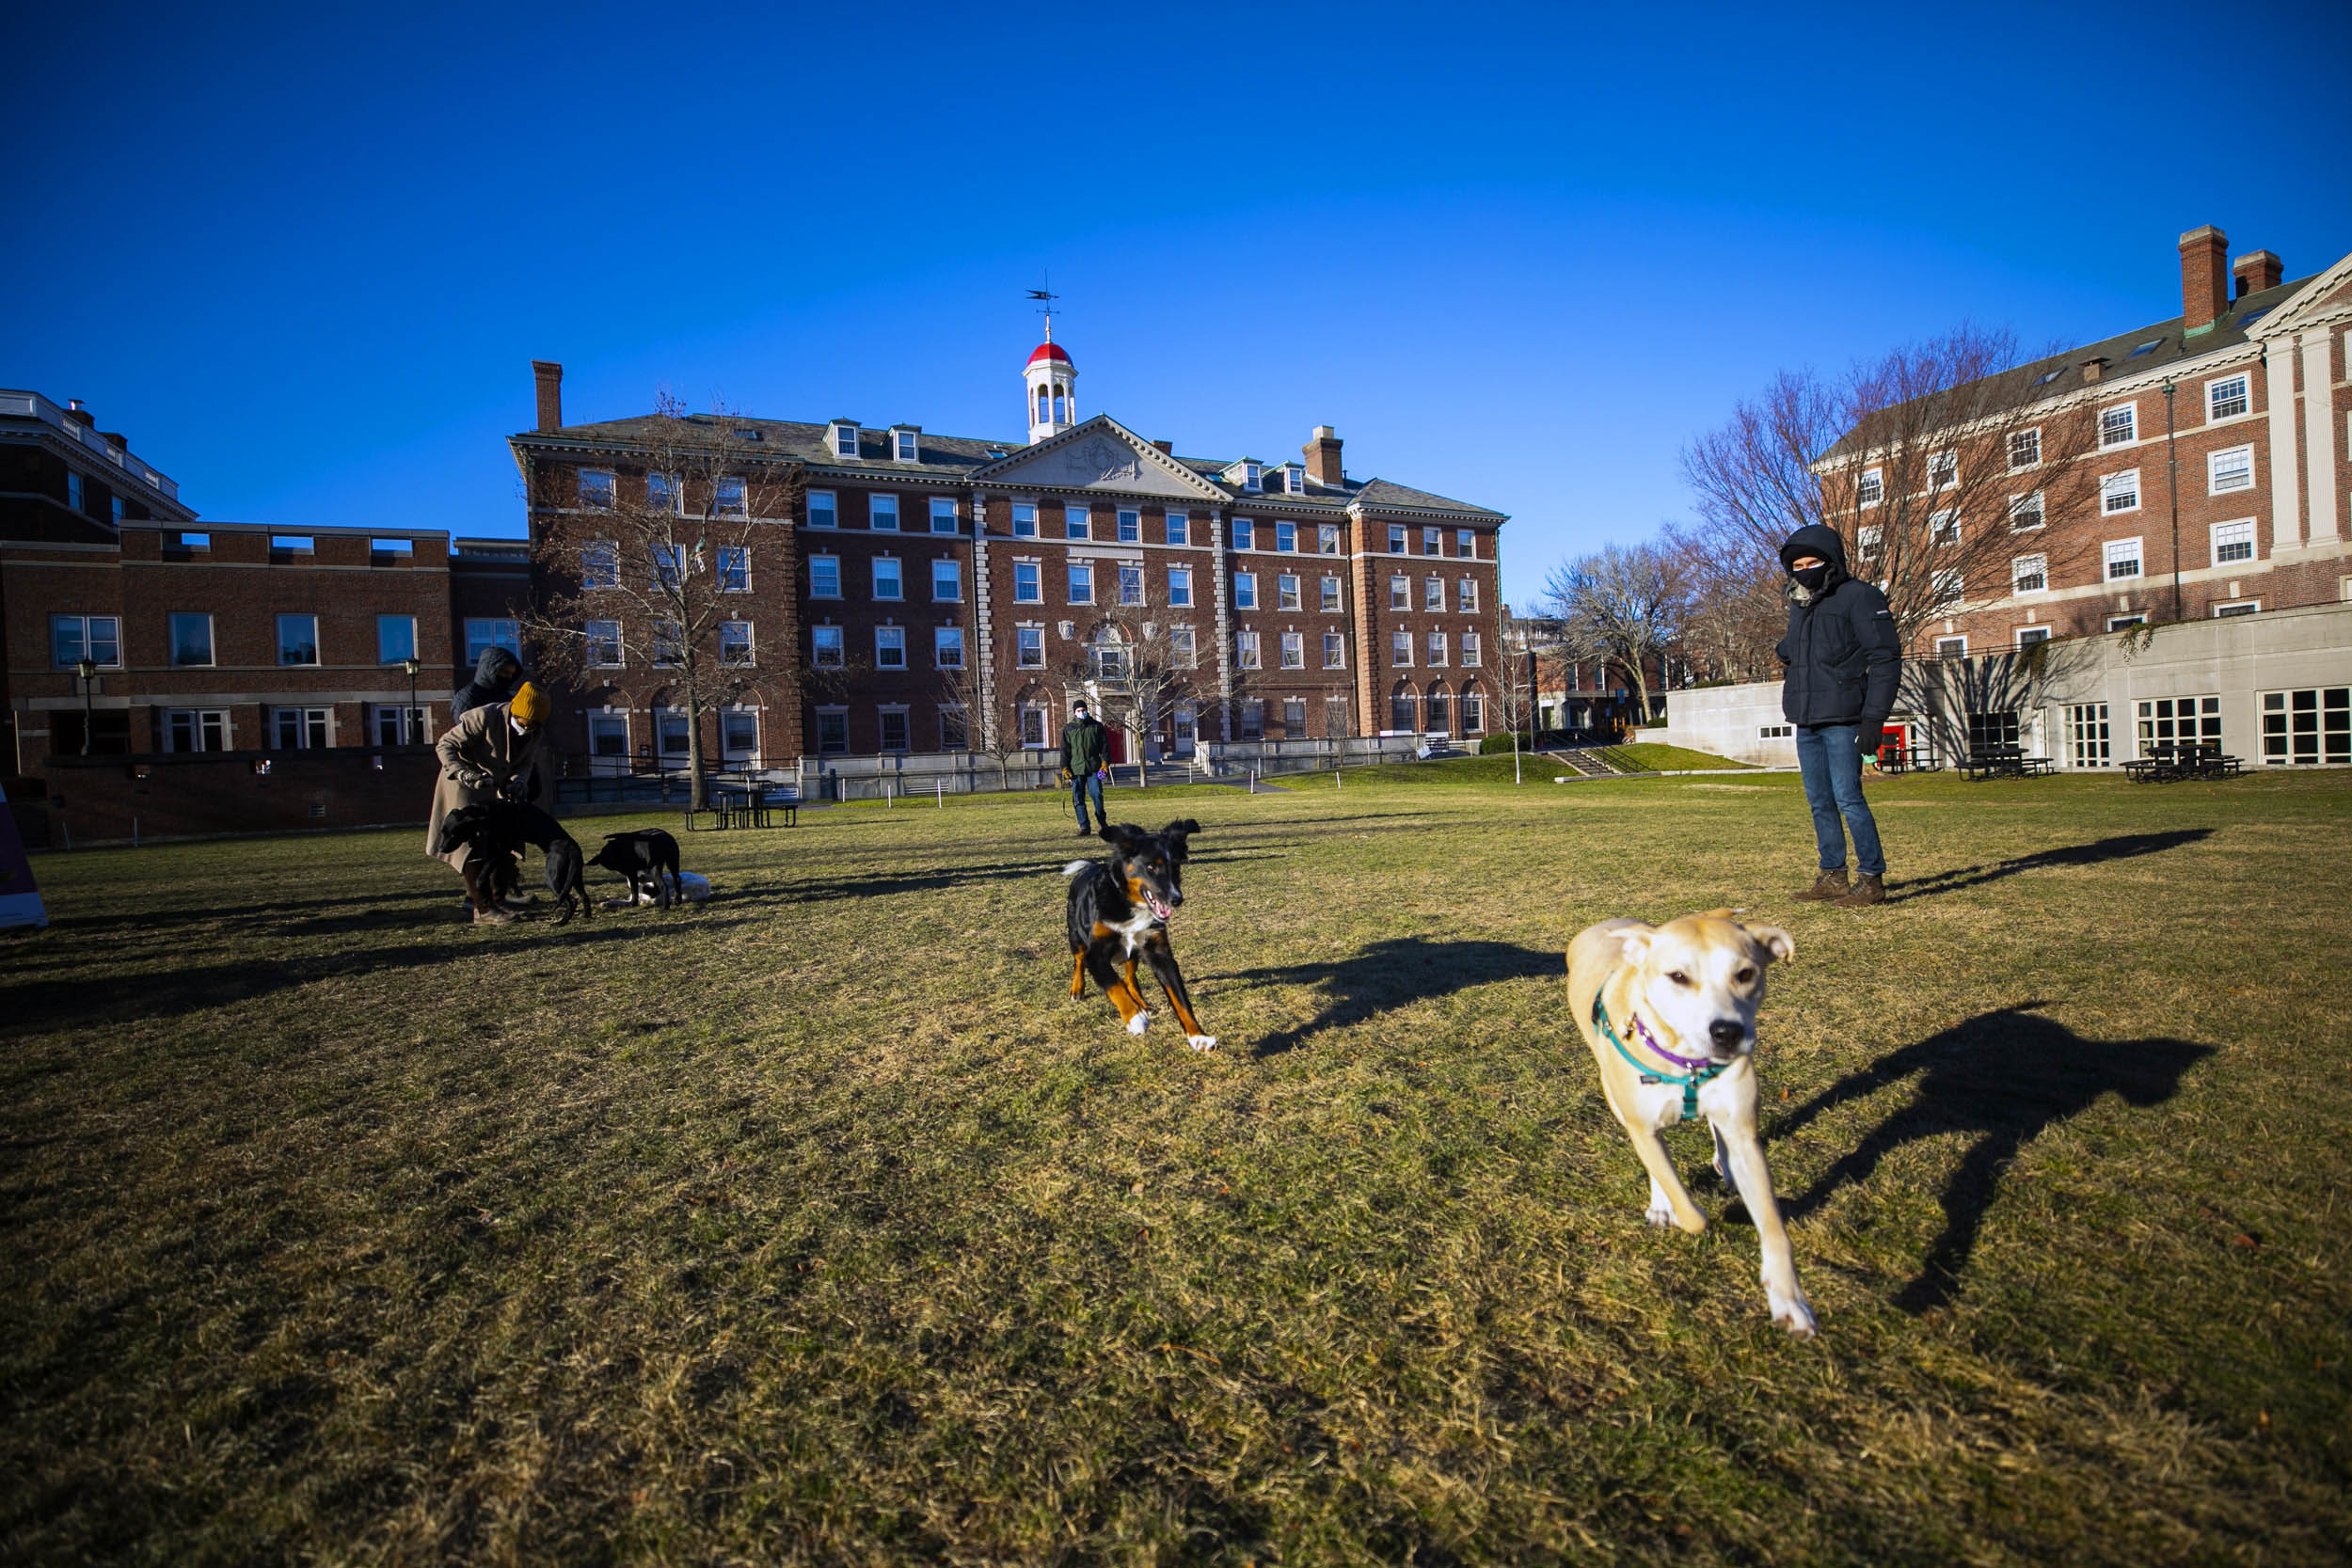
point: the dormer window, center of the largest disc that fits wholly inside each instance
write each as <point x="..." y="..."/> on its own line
<point x="1245" y="474"/>
<point x="841" y="435"/>
<point x="1294" y="478"/>
<point x="906" y="442"/>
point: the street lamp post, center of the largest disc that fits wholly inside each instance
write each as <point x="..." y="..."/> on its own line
<point x="87" y="670"/>
<point x="409" y="726"/>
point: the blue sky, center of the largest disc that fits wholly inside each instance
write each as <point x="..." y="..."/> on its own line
<point x="1516" y="254"/>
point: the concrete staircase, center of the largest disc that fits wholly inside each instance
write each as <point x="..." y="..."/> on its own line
<point x="1586" y="762"/>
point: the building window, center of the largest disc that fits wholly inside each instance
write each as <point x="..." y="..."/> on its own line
<point x="1400" y="593"/>
<point x="822" y="512"/>
<point x="1866" y="542"/>
<point x="398" y="726"/>
<point x="601" y="641"/>
<point x="948" y="647"/>
<point x="1106" y="660"/>
<point x="600" y="565"/>
<point x="191" y="640"/>
<point x="1026" y="586"/>
<point x="1246" y="649"/>
<point x="946" y="581"/>
<point x="955" y="731"/>
<point x="669" y="645"/>
<point x="2025" y="449"/>
<point x="2232" y="542"/>
<point x="2118" y="426"/>
<point x="1438" y="719"/>
<point x="96" y="638"/>
<point x="196" y="729"/>
<point x="1180" y="527"/>
<point x="2024" y="513"/>
<point x="2230" y="470"/>
<point x="2312" y="725"/>
<point x="2087" y="742"/>
<point x="1294" y="650"/>
<point x="483" y="635"/>
<point x="1025" y="519"/>
<point x="395" y="639"/>
<point x="2028" y="574"/>
<point x="1131" y="582"/>
<point x="1334" y="651"/>
<point x="608" y="735"/>
<point x="1029" y="645"/>
<point x="74" y="490"/>
<point x="735" y="569"/>
<point x="2227" y="397"/>
<point x="1437" y="648"/>
<point x="297" y="640"/>
<point x="1951" y="647"/>
<point x="1285" y="537"/>
<point x="889" y="583"/>
<point x="905" y="447"/>
<point x="1401" y="712"/>
<point x="2117" y="623"/>
<point x="1469" y="648"/>
<point x="824" y="576"/>
<point x="833" y="732"/>
<point x="726" y="498"/>
<point x="1328" y="538"/>
<point x="2122" y="557"/>
<point x="662" y="492"/>
<point x="595" y="489"/>
<point x="893" y="729"/>
<point x="2119" y="492"/>
<point x="1432" y="594"/>
<point x="1330" y="600"/>
<point x="1988" y="730"/>
<point x="735" y="643"/>
<point x="2029" y="636"/>
<point x="1286" y="594"/>
<point x="2170" y="721"/>
<point x="739" y="735"/>
<point x="1433" y="541"/>
<point x="1942" y="471"/>
<point x="1949" y="588"/>
<point x="1180" y="587"/>
<point x="1033" y="727"/>
<point x="2241" y="606"/>
<point x="1245" y="590"/>
<point x="1466" y="598"/>
<point x="1182" y="648"/>
<point x="299" y="729"/>
<point x="1401" y="649"/>
<point x="670" y="732"/>
<point x="1944" y="527"/>
<point x="881" y="514"/>
<point x="1474" y="711"/>
<point x="825" y="650"/>
<point x="1076" y="523"/>
<point x="1081" y="582"/>
<point x="1294" y="716"/>
<point x="1245" y="534"/>
<point x="668" y="566"/>
<point x="1251" y="715"/>
<point x="1396" y="538"/>
<point x="1130" y="526"/>
<point x="1871" y="487"/>
<point x="1466" y="544"/>
<point x="844" y="440"/>
<point x="890" y="647"/>
<point x="943" y="518"/>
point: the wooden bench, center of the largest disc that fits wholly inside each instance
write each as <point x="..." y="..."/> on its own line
<point x="2004" y="761"/>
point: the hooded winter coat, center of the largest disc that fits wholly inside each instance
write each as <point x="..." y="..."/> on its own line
<point x="1844" y="658"/>
<point x="494" y="677"/>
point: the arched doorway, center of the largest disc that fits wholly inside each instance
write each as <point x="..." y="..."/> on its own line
<point x="1404" y="713"/>
<point x="1440" y="709"/>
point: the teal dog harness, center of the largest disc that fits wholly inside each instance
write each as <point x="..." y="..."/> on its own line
<point x="1693" y="1074"/>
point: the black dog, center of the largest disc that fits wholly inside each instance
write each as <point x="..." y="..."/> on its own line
<point x="1120" y="908"/>
<point x="496" y="833"/>
<point x="648" y="852"/>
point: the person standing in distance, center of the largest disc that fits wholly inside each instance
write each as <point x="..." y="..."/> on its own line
<point x="1086" y="754"/>
<point x="1844" y="662"/>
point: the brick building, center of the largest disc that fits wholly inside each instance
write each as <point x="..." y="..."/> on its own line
<point x="914" y="576"/>
<point x="2227" y="428"/>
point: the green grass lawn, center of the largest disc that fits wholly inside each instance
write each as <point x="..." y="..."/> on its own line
<point x="819" y="1225"/>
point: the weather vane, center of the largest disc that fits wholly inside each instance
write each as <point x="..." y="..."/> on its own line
<point x="1046" y="309"/>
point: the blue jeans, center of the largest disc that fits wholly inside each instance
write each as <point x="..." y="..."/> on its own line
<point x="1832" y="769"/>
<point x="1080" y="788"/>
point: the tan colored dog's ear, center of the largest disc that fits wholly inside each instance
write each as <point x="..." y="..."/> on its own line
<point x="1774" y="942"/>
<point x="1719" y="914"/>
<point x="1635" y="945"/>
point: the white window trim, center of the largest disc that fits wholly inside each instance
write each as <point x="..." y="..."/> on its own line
<point x="832" y="509"/>
<point x="2042" y="566"/>
<point x="2212" y="469"/>
<point x="2213" y="542"/>
<point x="2106" y="559"/>
<point x="1949" y="461"/>
<point x="2040" y="512"/>
<point x="2239" y="606"/>
<point x="938" y="646"/>
<point x="2115" y="480"/>
<point x="750" y="646"/>
<point x="898" y="513"/>
<point x="2131" y="440"/>
<point x="901" y="666"/>
<point x="2246" y="413"/>
<point x="2008" y="450"/>
<point x="2137" y="617"/>
<point x="2020" y="639"/>
<point x="814" y="591"/>
<point x="874" y="579"/>
<point x="1862" y="483"/>
<point x="1944" y="646"/>
<point x="953" y="565"/>
<point x="955" y="516"/>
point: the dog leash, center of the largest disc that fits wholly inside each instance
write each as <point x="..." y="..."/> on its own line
<point x="1700" y="1073"/>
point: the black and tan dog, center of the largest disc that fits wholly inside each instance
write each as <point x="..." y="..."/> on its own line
<point x="1119" y="908"/>
<point x="495" y="832"/>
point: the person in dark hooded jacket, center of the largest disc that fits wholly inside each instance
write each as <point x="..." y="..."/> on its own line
<point x="1844" y="660"/>
<point x="494" y="677"/>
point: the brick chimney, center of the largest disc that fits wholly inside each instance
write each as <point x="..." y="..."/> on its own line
<point x="1322" y="452"/>
<point x="1168" y="449"/>
<point x="74" y="410"/>
<point x="2205" y="281"/>
<point x="2257" y="269"/>
<point x="549" y="375"/>
<point x="2094" y="367"/>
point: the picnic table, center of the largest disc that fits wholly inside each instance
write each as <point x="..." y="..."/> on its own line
<point x="1895" y="759"/>
<point x="2169" y="760"/>
<point x="2004" y="761"/>
<point x="748" y="806"/>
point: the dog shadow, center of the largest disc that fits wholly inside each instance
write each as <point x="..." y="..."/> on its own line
<point x="2122" y="847"/>
<point x="2002" y="1078"/>
<point x="1394" y="973"/>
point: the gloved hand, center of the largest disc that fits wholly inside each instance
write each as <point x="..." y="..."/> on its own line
<point x="1104" y="774"/>
<point x="472" y="778"/>
<point x="1061" y="775"/>
<point x="1868" y="740"/>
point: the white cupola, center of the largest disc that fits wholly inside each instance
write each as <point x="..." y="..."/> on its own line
<point x="1052" y="388"/>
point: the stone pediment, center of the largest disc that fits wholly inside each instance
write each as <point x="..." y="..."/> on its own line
<point x="1099" y="454"/>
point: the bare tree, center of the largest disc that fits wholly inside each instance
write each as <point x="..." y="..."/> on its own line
<point x="1514" y="682"/>
<point x="1622" y="605"/>
<point x="1734" y="613"/>
<point x="644" y="569"/>
<point x="1938" y="465"/>
<point x="992" y="719"/>
<point x="1142" y="659"/>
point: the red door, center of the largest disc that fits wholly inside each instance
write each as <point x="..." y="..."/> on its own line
<point x="1117" y="738"/>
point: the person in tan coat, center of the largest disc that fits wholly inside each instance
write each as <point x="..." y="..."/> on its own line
<point x="491" y="751"/>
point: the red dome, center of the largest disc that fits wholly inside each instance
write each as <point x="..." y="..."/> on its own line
<point x="1049" y="351"/>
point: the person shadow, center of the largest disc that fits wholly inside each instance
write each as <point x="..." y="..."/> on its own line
<point x="2003" y="1078"/>
<point x="2120" y="846"/>
<point x="1393" y="973"/>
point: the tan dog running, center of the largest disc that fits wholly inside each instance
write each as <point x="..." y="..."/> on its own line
<point x="1670" y="1013"/>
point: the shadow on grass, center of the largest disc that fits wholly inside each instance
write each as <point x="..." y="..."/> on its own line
<point x="41" y="1004"/>
<point x="2004" y="1077"/>
<point x="2123" y="847"/>
<point x="1394" y="973"/>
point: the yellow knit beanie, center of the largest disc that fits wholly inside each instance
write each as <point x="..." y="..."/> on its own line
<point x="529" y="705"/>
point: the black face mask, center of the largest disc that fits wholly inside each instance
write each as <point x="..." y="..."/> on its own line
<point x="1811" y="577"/>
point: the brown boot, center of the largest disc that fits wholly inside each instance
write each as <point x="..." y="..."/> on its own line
<point x="1868" y="890"/>
<point x="1827" y="885"/>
